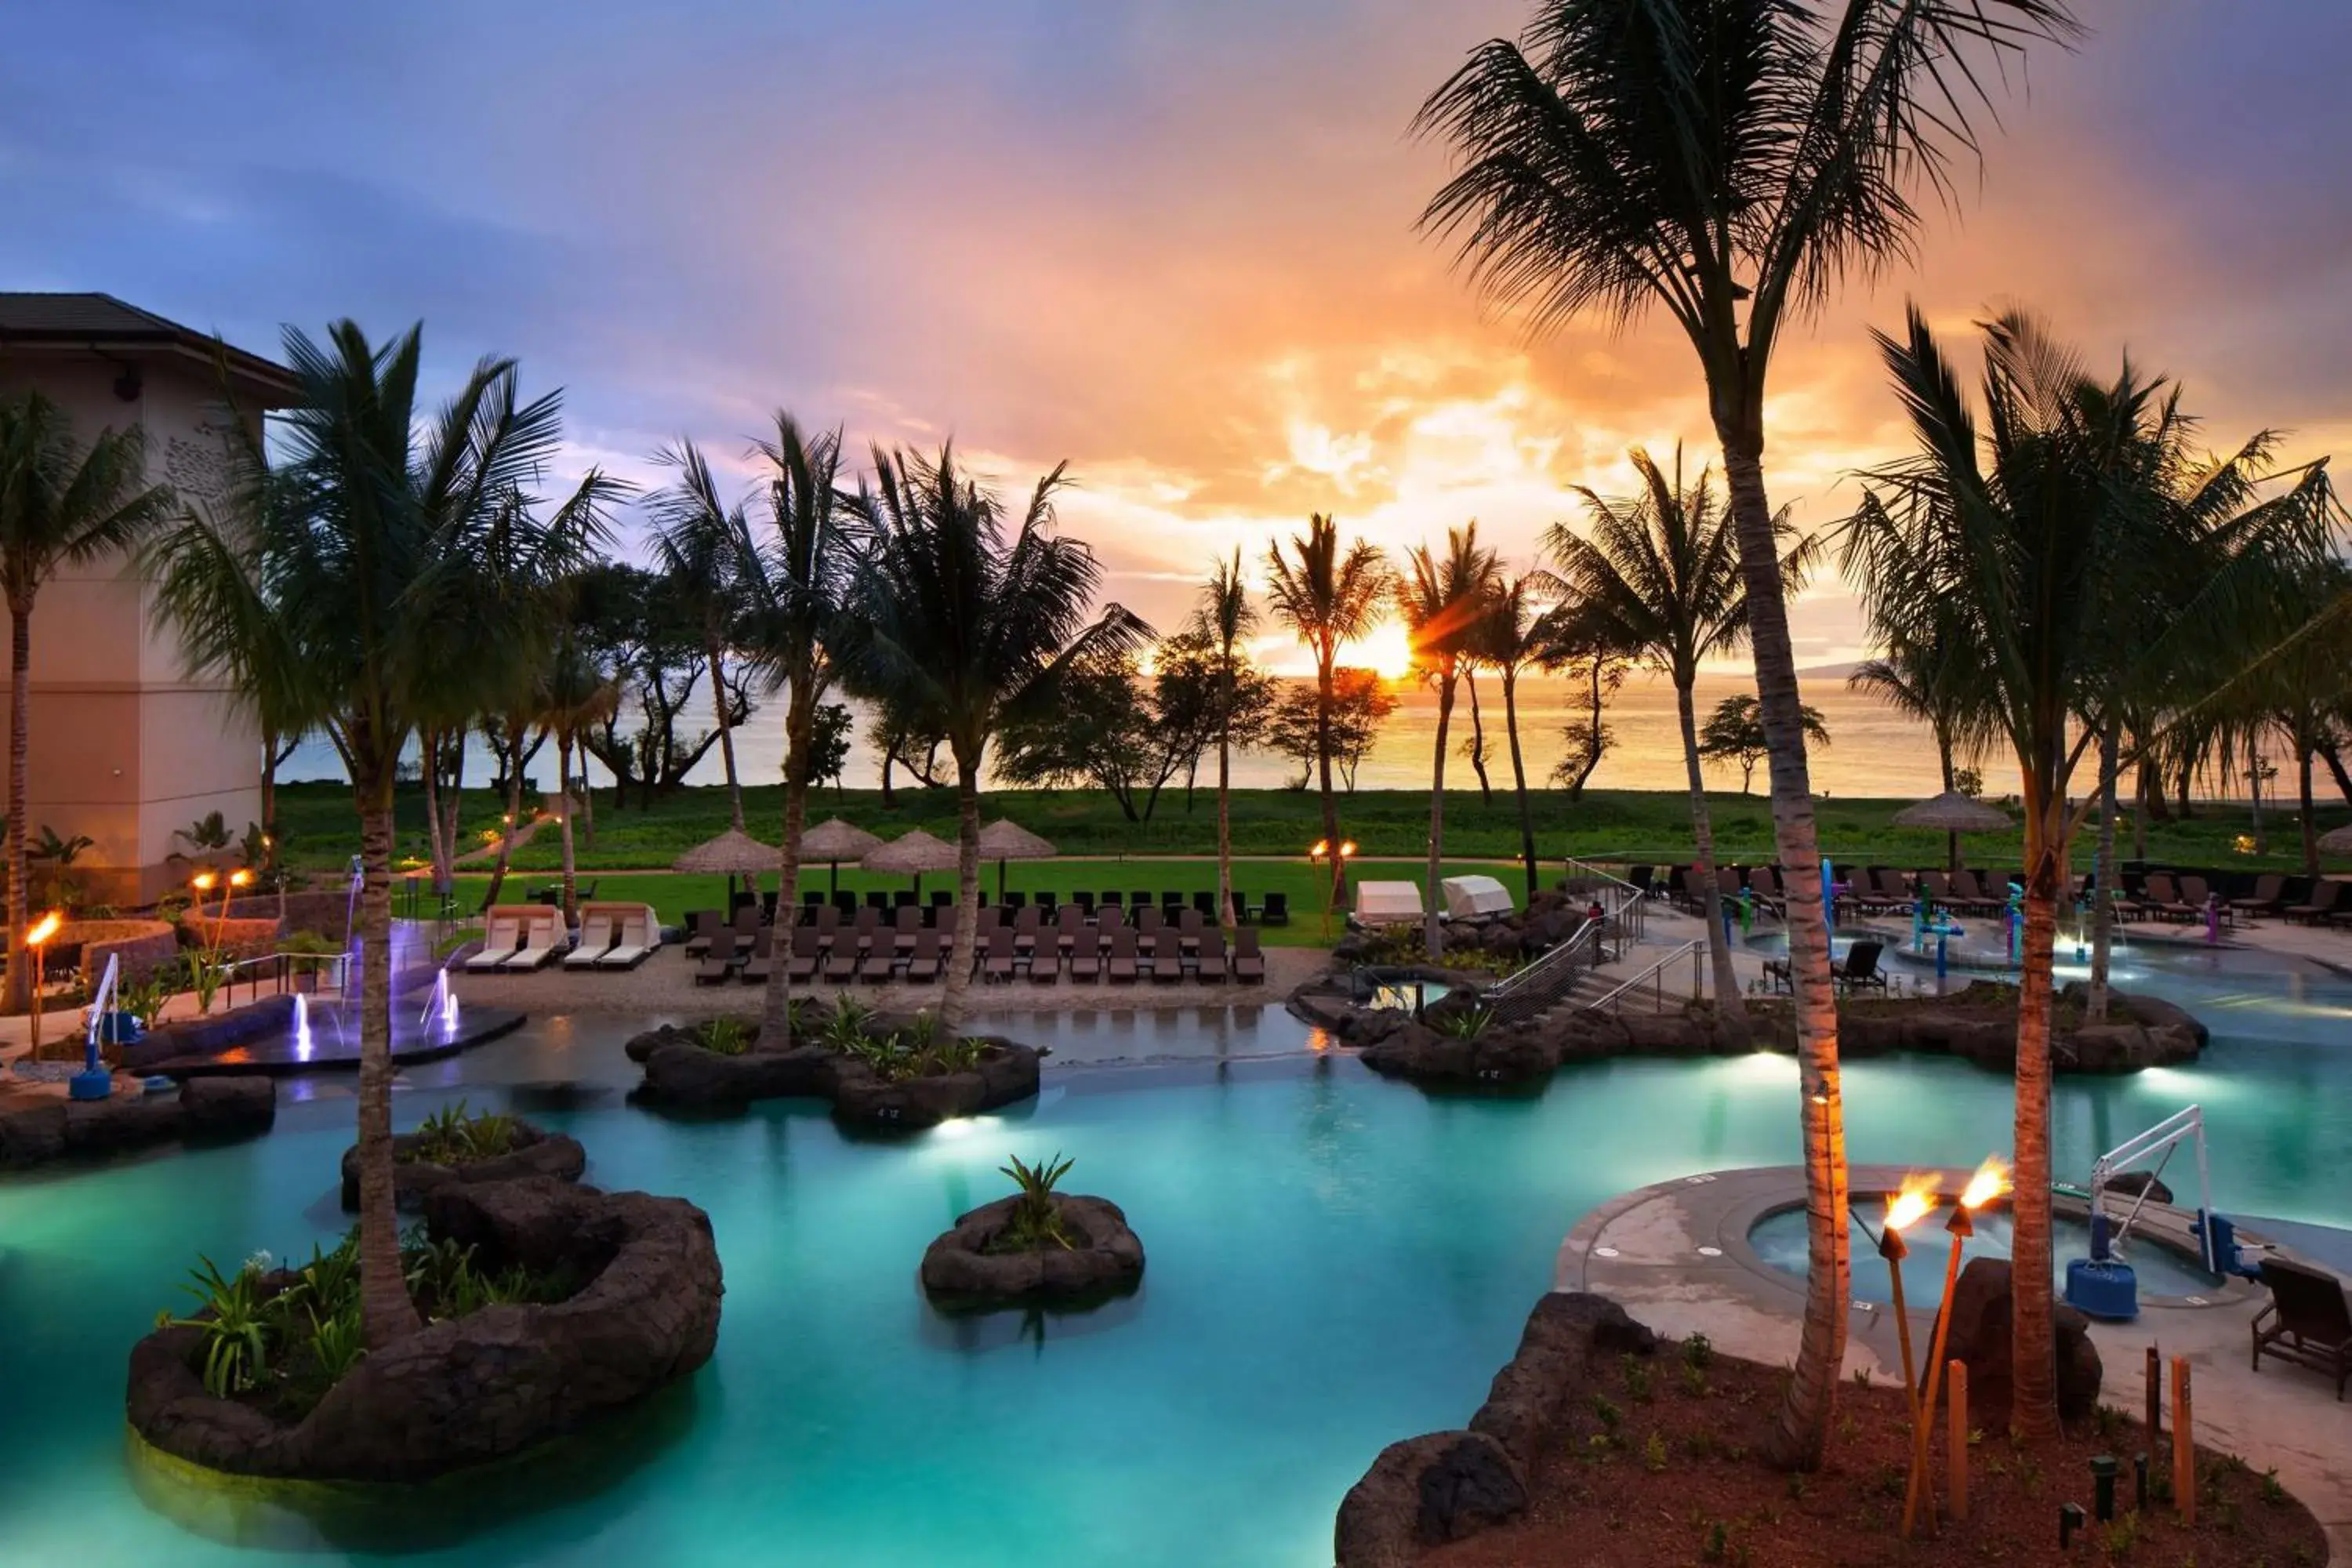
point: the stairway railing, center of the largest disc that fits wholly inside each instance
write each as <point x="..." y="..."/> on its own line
<point x="1623" y="900"/>
<point x="1546" y="980"/>
<point x="1654" y="977"/>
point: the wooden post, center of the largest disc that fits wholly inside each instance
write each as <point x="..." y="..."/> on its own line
<point x="2184" y="1446"/>
<point x="2155" y="1402"/>
<point x="1956" y="1438"/>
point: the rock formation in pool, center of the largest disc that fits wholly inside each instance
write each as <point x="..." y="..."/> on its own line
<point x="452" y="1147"/>
<point x="627" y="1289"/>
<point x="215" y="1110"/>
<point x="881" y="1072"/>
<point x="1037" y="1247"/>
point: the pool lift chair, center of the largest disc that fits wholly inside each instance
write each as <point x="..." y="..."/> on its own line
<point x="2103" y="1284"/>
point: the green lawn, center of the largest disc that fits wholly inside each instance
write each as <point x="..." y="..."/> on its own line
<point x="322" y="832"/>
<point x="673" y="894"/>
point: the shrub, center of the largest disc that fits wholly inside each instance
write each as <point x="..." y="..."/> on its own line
<point x="451" y="1137"/>
<point x="724" y="1036"/>
<point x="1036" y="1222"/>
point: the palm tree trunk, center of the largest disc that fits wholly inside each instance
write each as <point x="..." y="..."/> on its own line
<point x="19" y="998"/>
<point x="587" y="802"/>
<point x="776" y="1014"/>
<point x="385" y="1308"/>
<point x="570" y="866"/>
<point x="1323" y="749"/>
<point x="449" y="806"/>
<point x="1225" y="814"/>
<point x="514" y="810"/>
<point x="2310" y="826"/>
<point x="1477" y="737"/>
<point x="1728" y="1003"/>
<point x="2034" y="1342"/>
<point x="2103" y="906"/>
<point x="2333" y="758"/>
<point x="967" y="933"/>
<point x="1802" y="1435"/>
<point x="1432" y="929"/>
<point x="436" y="850"/>
<point x="726" y="743"/>
<point x="269" y="803"/>
<point x="1511" y="677"/>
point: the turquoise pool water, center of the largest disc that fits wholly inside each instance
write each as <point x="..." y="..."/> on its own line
<point x="1335" y="1262"/>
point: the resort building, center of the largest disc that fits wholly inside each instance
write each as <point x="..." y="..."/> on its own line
<point x="126" y="749"/>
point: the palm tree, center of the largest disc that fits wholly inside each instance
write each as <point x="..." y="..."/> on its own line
<point x="2059" y="550"/>
<point x="1926" y="680"/>
<point x="1223" y="619"/>
<point x="964" y="625"/>
<point x="1512" y="635"/>
<point x="1663" y="570"/>
<point x="1441" y="602"/>
<point x="1328" y="600"/>
<point x="797" y="585"/>
<point x="410" y="573"/>
<point x="1722" y="160"/>
<point x="573" y="696"/>
<point x="60" y="505"/>
<point x="701" y="544"/>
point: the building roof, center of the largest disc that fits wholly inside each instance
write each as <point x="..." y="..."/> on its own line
<point x="97" y="322"/>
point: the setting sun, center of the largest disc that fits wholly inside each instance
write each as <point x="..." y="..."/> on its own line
<point x="1388" y="651"/>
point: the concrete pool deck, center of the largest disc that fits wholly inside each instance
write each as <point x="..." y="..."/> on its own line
<point x="1676" y="1256"/>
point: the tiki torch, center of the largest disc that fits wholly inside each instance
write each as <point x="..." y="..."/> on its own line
<point x="1992" y="1181"/>
<point x="1914" y="1202"/>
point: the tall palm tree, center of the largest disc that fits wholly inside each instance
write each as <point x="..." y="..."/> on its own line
<point x="61" y="504"/>
<point x="1730" y="161"/>
<point x="1223" y="619"/>
<point x="1327" y="599"/>
<point x="411" y="572"/>
<point x="1928" y="681"/>
<point x="1511" y="636"/>
<point x="1440" y="601"/>
<point x="573" y="696"/>
<point x="2042" y="544"/>
<point x="966" y="620"/>
<point x="702" y="544"/>
<point x="798" y="579"/>
<point x="1662" y="569"/>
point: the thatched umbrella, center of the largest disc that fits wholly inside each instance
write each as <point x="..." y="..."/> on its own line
<point x="2337" y="841"/>
<point x="1008" y="840"/>
<point x="911" y="854"/>
<point x="835" y="841"/>
<point x="735" y="853"/>
<point x="1956" y="814"/>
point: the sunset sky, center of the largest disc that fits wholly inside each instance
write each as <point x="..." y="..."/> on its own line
<point x="1170" y="240"/>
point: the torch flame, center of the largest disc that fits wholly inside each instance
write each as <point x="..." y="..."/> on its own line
<point x="1992" y="1181"/>
<point x="44" y="929"/>
<point x="1915" y="1202"/>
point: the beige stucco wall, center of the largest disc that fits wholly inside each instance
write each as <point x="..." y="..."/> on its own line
<point x="124" y="747"/>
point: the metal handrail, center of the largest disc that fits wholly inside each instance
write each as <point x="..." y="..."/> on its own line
<point x="1622" y="899"/>
<point x="1548" y="978"/>
<point x="1655" y="974"/>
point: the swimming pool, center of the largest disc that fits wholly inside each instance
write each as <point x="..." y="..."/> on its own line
<point x="1335" y="1261"/>
<point x="1780" y="1240"/>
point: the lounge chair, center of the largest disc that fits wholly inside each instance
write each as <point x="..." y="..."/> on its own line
<point x="1209" y="969"/>
<point x="500" y="939"/>
<point x="636" y="934"/>
<point x="1276" y="911"/>
<point x="1111" y="918"/>
<point x="2319" y="906"/>
<point x="807" y="956"/>
<point x="1148" y="919"/>
<point x="997" y="963"/>
<point x="700" y="926"/>
<point x="924" y="963"/>
<point x="1190" y="923"/>
<point x="756" y="967"/>
<point x="1069" y="921"/>
<point x="1167" y="957"/>
<point x="861" y="935"/>
<point x="2267" y="898"/>
<point x="1249" y="964"/>
<point x="1122" y="966"/>
<point x="1086" y="957"/>
<point x="841" y="960"/>
<point x="542" y="939"/>
<point x="1860" y="972"/>
<point x="1764" y="888"/>
<point x="1026" y="925"/>
<point x="1139" y="900"/>
<point x="1111" y="899"/>
<point x="1970" y="899"/>
<point x="595" y="941"/>
<point x="2308" y="1320"/>
<point x="2166" y="898"/>
<point x="719" y="962"/>
<point x="1206" y="902"/>
<point x="2198" y="895"/>
<point x="1085" y="901"/>
<point x="908" y="922"/>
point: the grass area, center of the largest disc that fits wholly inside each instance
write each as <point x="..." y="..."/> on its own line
<point x="672" y="894"/>
<point x="322" y="831"/>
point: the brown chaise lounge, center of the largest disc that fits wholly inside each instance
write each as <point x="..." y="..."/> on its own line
<point x="2307" y="1321"/>
<point x="1249" y="964"/>
<point x="1122" y="967"/>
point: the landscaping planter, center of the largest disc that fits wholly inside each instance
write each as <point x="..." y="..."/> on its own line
<point x="491" y="1383"/>
<point x="682" y="1074"/>
<point x="1105" y="1259"/>
<point x="536" y="1153"/>
<point x="217" y="1110"/>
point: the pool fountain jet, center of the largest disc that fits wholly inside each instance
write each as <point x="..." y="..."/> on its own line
<point x="442" y="1005"/>
<point x="302" y="1026"/>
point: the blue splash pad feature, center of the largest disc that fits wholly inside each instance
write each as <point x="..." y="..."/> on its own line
<point x="1335" y="1262"/>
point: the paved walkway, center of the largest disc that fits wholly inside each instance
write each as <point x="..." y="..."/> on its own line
<point x="1676" y="1256"/>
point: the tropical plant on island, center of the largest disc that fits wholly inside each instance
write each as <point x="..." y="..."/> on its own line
<point x="1730" y="165"/>
<point x="1035" y="1220"/>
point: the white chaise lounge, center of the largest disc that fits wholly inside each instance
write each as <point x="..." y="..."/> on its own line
<point x="638" y="932"/>
<point x="501" y="936"/>
<point x="597" y="932"/>
<point x="542" y="939"/>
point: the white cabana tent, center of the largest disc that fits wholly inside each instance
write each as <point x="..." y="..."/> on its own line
<point x="1467" y="896"/>
<point x="1387" y="903"/>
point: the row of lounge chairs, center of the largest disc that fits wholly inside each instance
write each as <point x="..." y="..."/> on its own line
<point x="906" y="921"/>
<point x="522" y="937"/>
<point x="2183" y="899"/>
<point x="920" y="957"/>
<point x="752" y="910"/>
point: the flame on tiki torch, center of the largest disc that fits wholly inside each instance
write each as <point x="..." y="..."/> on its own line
<point x="1914" y="1203"/>
<point x="1992" y="1181"/>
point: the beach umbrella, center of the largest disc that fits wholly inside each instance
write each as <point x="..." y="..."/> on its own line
<point x="1007" y="840"/>
<point x="1956" y="814"/>
<point x="911" y="854"/>
<point x="2337" y="841"/>
<point x="835" y="841"/>
<point x="736" y="854"/>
